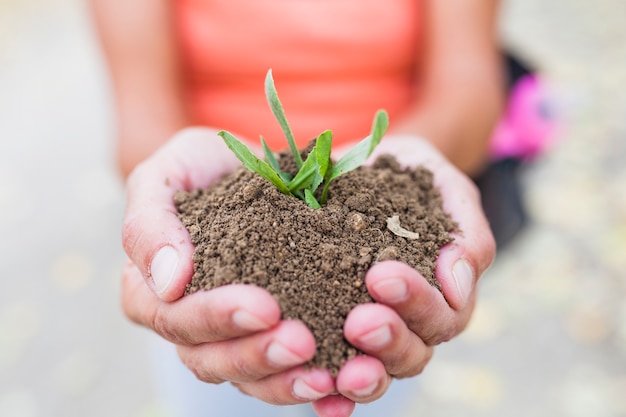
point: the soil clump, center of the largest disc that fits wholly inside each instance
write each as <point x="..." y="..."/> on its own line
<point x="314" y="261"/>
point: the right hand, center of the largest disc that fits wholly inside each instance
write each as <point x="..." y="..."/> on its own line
<point x="232" y="333"/>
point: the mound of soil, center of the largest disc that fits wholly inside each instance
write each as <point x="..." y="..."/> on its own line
<point x="313" y="261"/>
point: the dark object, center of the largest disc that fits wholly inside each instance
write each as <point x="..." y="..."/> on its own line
<point x="500" y="187"/>
<point x="502" y="200"/>
<point x="515" y="70"/>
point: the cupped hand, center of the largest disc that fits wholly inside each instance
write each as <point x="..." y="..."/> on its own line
<point x="411" y="317"/>
<point x="235" y="334"/>
<point x="229" y="334"/>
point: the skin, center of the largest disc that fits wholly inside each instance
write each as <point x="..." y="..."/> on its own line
<point x="398" y="334"/>
<point x="461" y="92"/>
<point x="139" y="47"/>
<point x="234" y="334"/>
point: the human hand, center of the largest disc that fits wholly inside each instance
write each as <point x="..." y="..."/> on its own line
<point x="399" y="332"/>
<point x="232" y="333"/>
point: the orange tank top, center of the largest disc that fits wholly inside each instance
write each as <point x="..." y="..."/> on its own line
<point x="335" y="62"/>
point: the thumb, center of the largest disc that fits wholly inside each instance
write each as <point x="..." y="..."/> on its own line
<point x="152" y="234"/>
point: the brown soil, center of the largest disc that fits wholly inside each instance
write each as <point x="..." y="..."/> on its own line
<point x="313" y="261"/>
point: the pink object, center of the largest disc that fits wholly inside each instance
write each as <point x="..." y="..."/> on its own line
<point x="530" y="123"/>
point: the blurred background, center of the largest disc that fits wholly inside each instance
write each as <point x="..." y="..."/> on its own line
<point x="548" y="337"/>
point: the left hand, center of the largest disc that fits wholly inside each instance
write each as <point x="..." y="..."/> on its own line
<point x="411" y="317"/>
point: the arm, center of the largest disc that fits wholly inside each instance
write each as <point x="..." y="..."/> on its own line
<point x="461" y="81"/>
<point x="138" y="42"/>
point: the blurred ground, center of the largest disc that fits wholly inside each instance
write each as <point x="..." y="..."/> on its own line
<point x="548" y="337"/>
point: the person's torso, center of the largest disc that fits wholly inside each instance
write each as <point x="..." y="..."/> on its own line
<point x="335" y="62"/>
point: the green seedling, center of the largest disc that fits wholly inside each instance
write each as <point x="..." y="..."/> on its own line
<point x="318" y="169"/>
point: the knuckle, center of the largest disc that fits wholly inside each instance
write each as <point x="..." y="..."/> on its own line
<point x="410" y="360"/>
<point x="417" y="366"/>
<point x="203" y="375"/>
<point x="435" y="337"/>
<point x="199" y="367"/>
<point x="161" y="324"/>
<point x="244" y="369"/>
<point x="243" y="388"/>
<point x="271" y="396"/>
<point x="262" y="391"/>
<point x="397" y="365"/>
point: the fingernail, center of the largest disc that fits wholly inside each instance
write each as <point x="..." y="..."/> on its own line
<point x="248" y="321"/>
<point x="163" y="268"/>
<point x="281" y="356"/>
<point x="304" y="391"/>
<point x="366" y="391"/>
<point x="464" y="278"/>
<point x="392" y="290"/>
<point x="377" y="338"/>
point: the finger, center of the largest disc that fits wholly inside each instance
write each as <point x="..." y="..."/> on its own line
<point x="363" y="379"/>
<point x="334" y="406"/>
<point x="251" y="358"/>
<point x="152" y="235"/>
<point x="295" y="386"/>
<point x="463" y="261"/>
<point x="377" y="330"/>
<point x="205" y="316"/>
<point x="422" y="307"/>
<point x="457" y="268"/>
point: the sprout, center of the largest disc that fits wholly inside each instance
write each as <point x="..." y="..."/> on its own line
<point x="318" y="169"/>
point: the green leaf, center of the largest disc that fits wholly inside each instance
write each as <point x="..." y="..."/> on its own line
<point x="271" y="159"/>
<point x="359" y="153"/>
<point x="362" y="150"/>
<point x="311" y="175"/>
<point x="322" y="149"/>
<point x="279" y="113"/>
<point x="269" y="155"/>
<point x="306" y="175"/>
<point x="310" y="199"/>
<point x="324" y="195"/>
<point x="323" y="146"/>
<point x="250" y="161"/>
